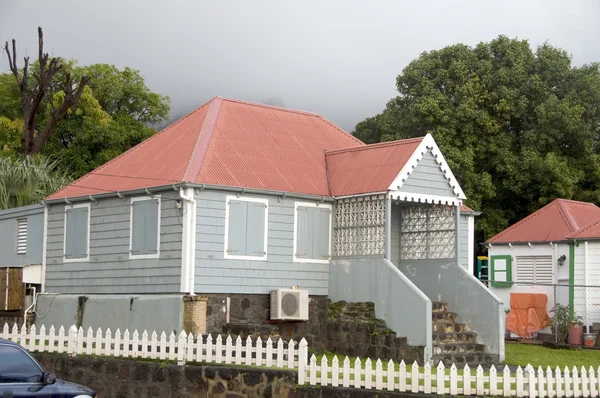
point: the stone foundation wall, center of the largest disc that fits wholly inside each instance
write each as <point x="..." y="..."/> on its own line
<point x="344" y="328"/>
<point x="118" y="378"/>
<point x="249" y="314"/>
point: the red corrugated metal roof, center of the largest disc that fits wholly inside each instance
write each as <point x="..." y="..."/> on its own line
<point x="226" y="142"/>
<point x="590" y="231"/>
<point x="368" y="169"/>
<point x="554" y="222"/>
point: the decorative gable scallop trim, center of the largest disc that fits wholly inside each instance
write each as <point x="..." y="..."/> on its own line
<point x="423" y="198"/>
<point x="428" y="143"/>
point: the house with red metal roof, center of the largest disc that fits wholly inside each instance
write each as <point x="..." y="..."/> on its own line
<point x="242" y="214"/>
<point x="554" y="251"/>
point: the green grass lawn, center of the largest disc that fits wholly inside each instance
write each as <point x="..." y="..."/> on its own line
<point x="535" y="355"/>
<point x="516" y="354"/>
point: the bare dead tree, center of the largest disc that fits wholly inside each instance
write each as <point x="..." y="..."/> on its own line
<point x="33" y="93"/>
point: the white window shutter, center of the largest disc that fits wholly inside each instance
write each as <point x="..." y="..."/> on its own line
<point x="21" y="236"/>
<point x="526" y="269"/>
<point x="543" y="269"/>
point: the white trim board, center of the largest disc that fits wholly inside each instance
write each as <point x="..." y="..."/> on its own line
<point x="316" y="205"/>
<point x="144" y="256"/>
<point x="266" y="232"/>
<point x="79" y="259"/>
<point x="428" y="143"/>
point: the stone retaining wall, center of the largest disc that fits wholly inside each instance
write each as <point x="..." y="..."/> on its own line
<point x="118" y="378"/>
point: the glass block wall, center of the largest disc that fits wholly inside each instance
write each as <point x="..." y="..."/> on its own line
<point x="359" y="226"/>
<point x="427" y="232"/>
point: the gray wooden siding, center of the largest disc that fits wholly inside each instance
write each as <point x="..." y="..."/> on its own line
<point x="214" y="274"/>
<point x="109" y="269"/>
<point x="463" y="241"/>
<point x="8" y="235"/>
<point x="428" y="178"/>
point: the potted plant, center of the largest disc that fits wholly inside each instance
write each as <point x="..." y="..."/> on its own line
<point x="576" y="331"/>
<point x="567" y="330"/>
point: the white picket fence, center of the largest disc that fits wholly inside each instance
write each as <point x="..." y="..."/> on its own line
<point x="183" y="348"/>
<point x="187" y="348"/>
<point x="525" y="382"/>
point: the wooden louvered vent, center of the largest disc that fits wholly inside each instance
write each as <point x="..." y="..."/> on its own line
<point x="534" y="269"/>
<point x="21" y="236"/>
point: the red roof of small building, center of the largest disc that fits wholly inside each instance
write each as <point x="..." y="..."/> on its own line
<point x="590" y="231"/>
<point x="368" y="169"/>
<point x="554" y="222"/>
<point x="226" y="142"/>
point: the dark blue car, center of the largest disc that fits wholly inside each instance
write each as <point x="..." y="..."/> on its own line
<point x="22" y="376"/>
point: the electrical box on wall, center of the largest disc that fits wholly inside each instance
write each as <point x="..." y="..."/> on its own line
<point x="289" y="305"/>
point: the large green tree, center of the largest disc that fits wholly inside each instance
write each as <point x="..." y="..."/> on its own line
<point x="519" y="127"/>
<point x="116" y="111"/>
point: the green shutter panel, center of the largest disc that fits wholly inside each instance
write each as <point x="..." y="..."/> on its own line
<point x="303" y="232"/>
<point x="255" y="229"/>
<point x="321" y="233"/>
<point x="501" y="267"/>
<point x="137" y="228"/>
<point x="236" y="228"/>
<point x="150" y="226"/>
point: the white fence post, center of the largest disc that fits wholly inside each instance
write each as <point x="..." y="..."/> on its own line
<point x="378" y="375"/>
<point x="357" y="373"/>
<point x="346" y="373"/>
<point x="107" y="342"/>
<point x="520" y="382"/>
<point x="312" y="373"/>
<point x="559" y="383"/>
<point x="301" y="358"/>
<point x="568" y="387"/>
<point x="426" y="378"/>
<point x="51" y="339"/>
<point x="414" y="379"/>
<point x="593" y="383"/>
<point x="291" y="354"/>
<point x="391" y="376"/>
<point x="117" y="350"/>
<point x="335" y="371"/>
<point x="467" y="380"/>
<point x="181" y="347"/>
<point x="71" y="341"/>
<point x="248" y="351"/>
<point x="368" y="374"/>
<point x="41" y="346"/>
<point x="324" y="366"/>
<point x="219" y="350"/>
<point x="506" y="382"/>
<point x="402" y="377"/>
<point x="440" y="380"/>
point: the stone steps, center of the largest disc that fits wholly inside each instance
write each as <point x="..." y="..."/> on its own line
<point x="454" y="337"/>
<point x="444" y="327"/>
<point x="453" y="343"/>
<point x="471" y="359"/>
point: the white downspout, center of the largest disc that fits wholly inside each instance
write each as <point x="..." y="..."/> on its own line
<point x="585" y="276"/>
<point x="44" y="248"/>
<point x="190" y="241"/>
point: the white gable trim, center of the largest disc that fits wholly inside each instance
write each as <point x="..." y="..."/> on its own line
<point x="428" y="143"/>
<point x="423" y="198"/>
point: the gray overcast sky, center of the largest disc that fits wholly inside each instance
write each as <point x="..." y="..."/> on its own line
<point x="338" y="58"/>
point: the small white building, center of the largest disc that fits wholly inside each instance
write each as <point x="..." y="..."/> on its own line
<point x="555" y="251"/>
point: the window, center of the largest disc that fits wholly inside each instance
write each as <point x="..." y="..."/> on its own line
<point x="21" y="236"/>
<point x="427" y="232"/>
<point x="246" y="221"/>
<point x="77" y="232"/>
<point x="18" y="367"/>
<point x="312" y="233"/>
<point x="534" y="269"/>
<point x="501" y="271"/>
<point x="144" y="234"/>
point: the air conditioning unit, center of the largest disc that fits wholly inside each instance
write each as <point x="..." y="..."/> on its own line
<point x="289" y="305"/>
